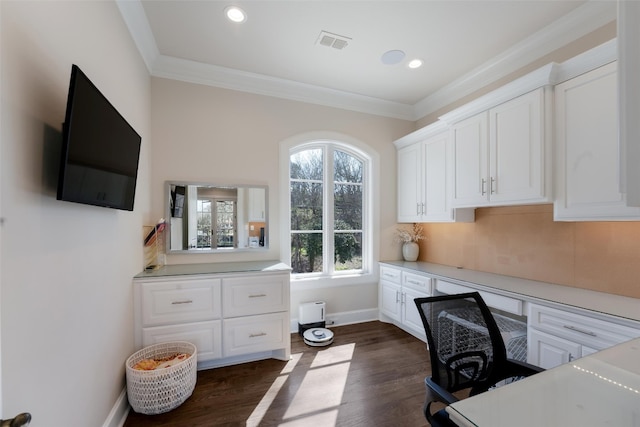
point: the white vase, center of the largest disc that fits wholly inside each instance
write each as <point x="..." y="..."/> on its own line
<point x="410" y="251"/>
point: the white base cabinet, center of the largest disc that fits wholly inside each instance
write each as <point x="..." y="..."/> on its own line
<point x="558" y="336"/>
<point x="397" y="291"/>
<point x="556" y="332"/>
<point x="230" y="317"/>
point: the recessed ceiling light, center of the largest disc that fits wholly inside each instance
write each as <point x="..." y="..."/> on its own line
<point x="392" y="57"/>
<point x="415" y="63"/>
<point x="235" y="14"/>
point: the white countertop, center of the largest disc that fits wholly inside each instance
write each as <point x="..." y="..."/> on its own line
<point x="214" y="268"/>
<point x="602" y="389"/>
<point x="600" y="302"/>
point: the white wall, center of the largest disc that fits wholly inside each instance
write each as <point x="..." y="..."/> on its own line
<point x="208" y="134"/>
<point x="66" y="268"/>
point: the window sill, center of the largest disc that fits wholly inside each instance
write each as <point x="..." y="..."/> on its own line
<point x="323" y="282"/>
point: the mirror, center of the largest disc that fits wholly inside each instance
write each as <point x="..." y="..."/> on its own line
<point x="215" y="218"/>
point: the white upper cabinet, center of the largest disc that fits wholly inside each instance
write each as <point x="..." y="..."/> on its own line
<point x="257" y="204"/>
<point x="470" y="142"/>
<point x="410" y="203"/>
<point x="423" y="181"/>
<point x="500" y="155"/>
<point x="587" y="149"/>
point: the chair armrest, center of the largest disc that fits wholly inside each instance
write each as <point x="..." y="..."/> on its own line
<point x="524" y="369"/>
<point x="440" y="392"/>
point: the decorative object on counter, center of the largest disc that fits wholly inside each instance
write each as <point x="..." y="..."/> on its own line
<point x="409" y="239"/>
<point x="154" y="245"/>
<point x="162" y="389"/>
<point x="20" y="420"/>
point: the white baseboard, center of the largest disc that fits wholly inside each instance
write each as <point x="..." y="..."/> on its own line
<point x="119" y="412"/>
<point x="344" y="318"/>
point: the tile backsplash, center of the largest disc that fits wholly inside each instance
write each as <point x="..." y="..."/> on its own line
<point x="524" y="241"/>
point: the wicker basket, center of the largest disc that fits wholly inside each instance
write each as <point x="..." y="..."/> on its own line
<point x="163" y="389"/>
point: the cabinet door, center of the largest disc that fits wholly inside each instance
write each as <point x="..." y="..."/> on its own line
<point x="410" y="203"/>
<point x="390" y="297"/>
<point x="435" y="179"/>
<point x="257" y="204"/>
<point x="587" y="152"/>
<point x="470" y="161"/>
<point x="410" y="315"/>
<point x="516" y="150"/>
<point x="549" y="351"/>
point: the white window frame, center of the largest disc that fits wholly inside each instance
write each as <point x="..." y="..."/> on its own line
<point x="370" y="209"/>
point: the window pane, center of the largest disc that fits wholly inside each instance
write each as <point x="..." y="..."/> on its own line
<point x="306" y="206"/>
<point x="203" y="228"/>
<point x="347" y="168"/>
<point x="348" y="251"/>
<point x="348" y="207"/>
<point x="225" y="225"/>
<point x="306" y="164"/>
<point x="306" y="252"/>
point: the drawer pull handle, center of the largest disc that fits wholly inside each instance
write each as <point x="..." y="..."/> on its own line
<point x="582" y="331"/>
<point x="415" y="282"/>
<point x="261" y="334"/>
<point x="257" y="296"/>
<point x="186" y="301"/>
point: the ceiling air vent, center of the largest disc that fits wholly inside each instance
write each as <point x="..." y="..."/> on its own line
<point x="332" y="40"/>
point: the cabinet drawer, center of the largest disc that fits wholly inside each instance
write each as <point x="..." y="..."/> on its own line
<point x="390" y="274"/>
<point x="500" y="302"/>
<point x="417" y="282"/>
<point x="254" y="295"/>
<point x="595" y="333"/>
<point x="180" y="301"/>
<point x="206" y="336"/>
<point x="254" y="334"/>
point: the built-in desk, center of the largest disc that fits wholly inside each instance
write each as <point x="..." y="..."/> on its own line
<point x="602" y="389"/>
<point x="563" y="323"/>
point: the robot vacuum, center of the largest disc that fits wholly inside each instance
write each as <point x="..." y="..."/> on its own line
<point x="318" y="337"/>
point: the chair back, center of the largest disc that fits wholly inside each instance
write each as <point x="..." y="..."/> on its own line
<point x="464" y="341"/>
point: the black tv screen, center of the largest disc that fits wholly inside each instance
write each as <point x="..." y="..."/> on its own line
<point x="100" y="150"/>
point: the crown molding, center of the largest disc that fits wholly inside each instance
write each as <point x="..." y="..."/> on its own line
<point x="587" y="61"/>
<point x="136" y="20"/>
<point x="422" y="134"/>
<point x="588" y="17"/>
<point x="259" y="84"/>
<point x="543" y="76"/>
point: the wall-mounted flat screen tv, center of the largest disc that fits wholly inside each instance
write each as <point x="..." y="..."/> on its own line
<point x="100" y="150"/>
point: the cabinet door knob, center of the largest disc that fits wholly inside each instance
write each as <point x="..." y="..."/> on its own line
<point x="483" y="184"/>
<point x="492" y="186"/>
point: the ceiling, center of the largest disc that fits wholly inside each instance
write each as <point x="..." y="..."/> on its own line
<point x="464" y="45"/>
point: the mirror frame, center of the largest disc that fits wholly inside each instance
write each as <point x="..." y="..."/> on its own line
<point x="167" y="202"/>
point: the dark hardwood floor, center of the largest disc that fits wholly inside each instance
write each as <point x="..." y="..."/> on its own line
<point x="372" y="375"/>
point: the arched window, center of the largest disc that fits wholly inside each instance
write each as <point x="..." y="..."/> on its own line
<point x="329" y="213"/>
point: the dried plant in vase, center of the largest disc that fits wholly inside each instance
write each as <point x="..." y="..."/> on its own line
<point x="409" y="239"/>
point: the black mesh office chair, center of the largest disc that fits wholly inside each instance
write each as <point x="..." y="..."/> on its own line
<point x="466" y="349"/>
